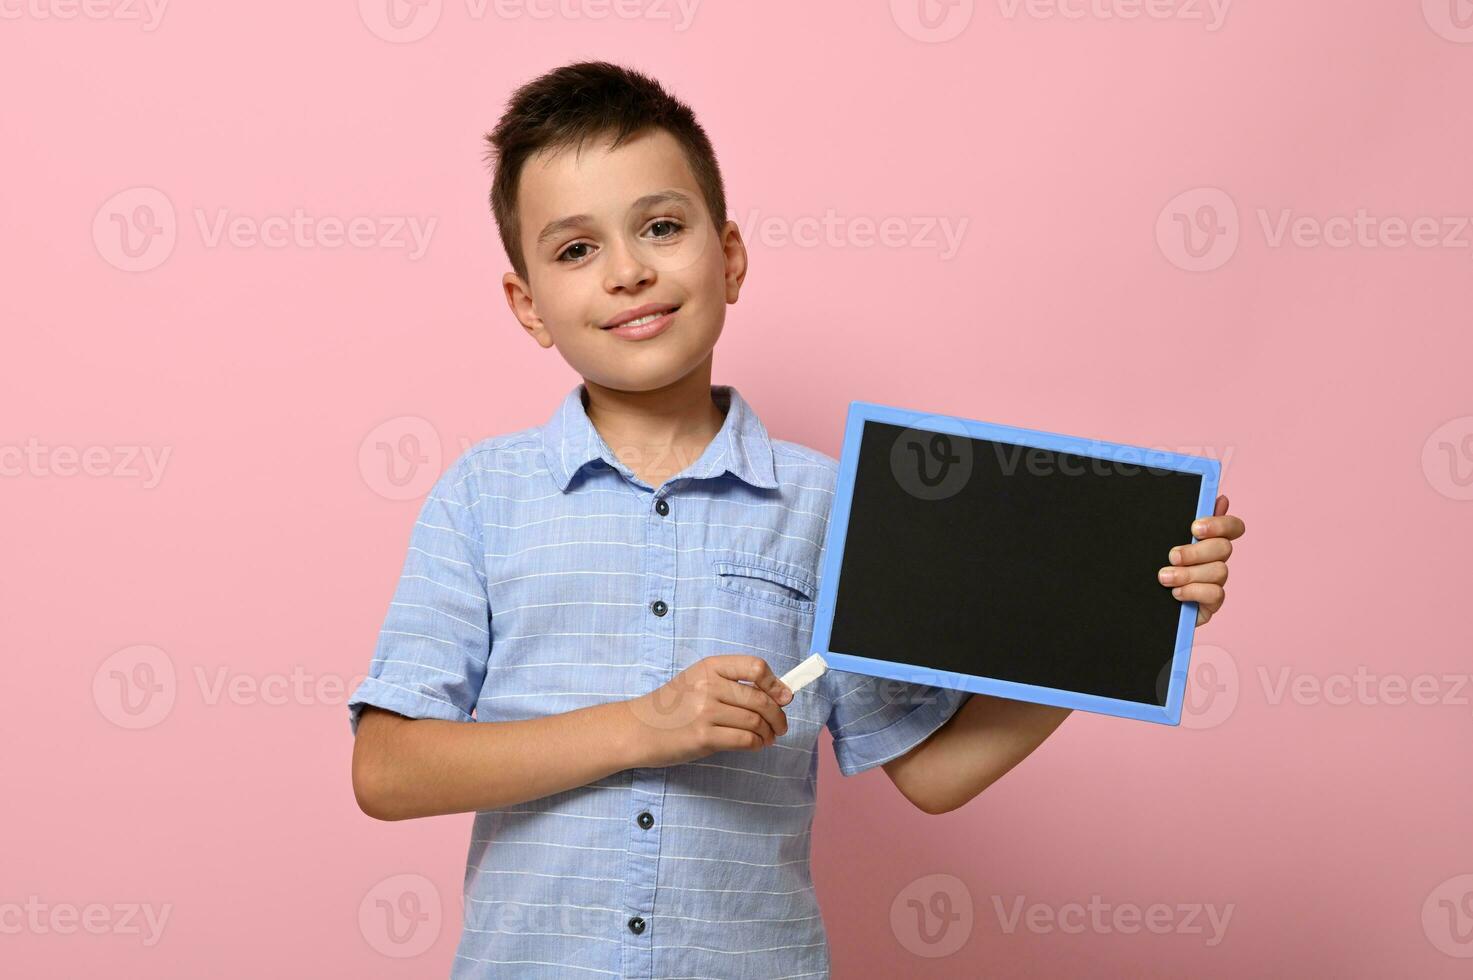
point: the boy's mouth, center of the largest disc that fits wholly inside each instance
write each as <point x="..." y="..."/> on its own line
<point x="640" y="315"/>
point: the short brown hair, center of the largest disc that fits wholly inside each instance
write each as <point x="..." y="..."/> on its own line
<point x="578" y="102"/>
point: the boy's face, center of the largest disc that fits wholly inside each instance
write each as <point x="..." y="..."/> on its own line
<point x="646" y="237"/>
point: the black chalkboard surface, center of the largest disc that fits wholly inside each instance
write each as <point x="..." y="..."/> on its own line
<point x="1010" y="561"/>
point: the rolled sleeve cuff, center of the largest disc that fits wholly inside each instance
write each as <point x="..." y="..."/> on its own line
<point x="856" y="753"/>
<point x="400" y="700"/>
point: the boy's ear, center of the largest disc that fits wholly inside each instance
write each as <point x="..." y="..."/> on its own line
<point x="519" y="298"/>
<point x="735" y="251"/>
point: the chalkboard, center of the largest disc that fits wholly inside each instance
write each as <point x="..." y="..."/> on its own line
<point x="1010" y="561"/>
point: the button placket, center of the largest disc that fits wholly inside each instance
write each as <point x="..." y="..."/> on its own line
<point x="657" y="643"/>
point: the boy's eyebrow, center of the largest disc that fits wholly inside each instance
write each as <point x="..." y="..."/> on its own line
<point x="648" y="201"/>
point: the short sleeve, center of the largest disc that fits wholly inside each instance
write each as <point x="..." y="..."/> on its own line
<point x="431" y="655"/>
<point x="874" y="719"/>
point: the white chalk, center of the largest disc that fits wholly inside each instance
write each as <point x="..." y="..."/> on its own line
<point x="805" y="673"/>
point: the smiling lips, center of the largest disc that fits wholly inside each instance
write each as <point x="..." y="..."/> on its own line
<point x="638" y="312"/>
<point x="642" y="322"/>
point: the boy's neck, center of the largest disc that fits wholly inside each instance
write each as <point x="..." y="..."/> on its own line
<point x="657" y="433"/>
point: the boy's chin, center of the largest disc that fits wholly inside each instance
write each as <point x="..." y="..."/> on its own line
<point x="643" y="374"/>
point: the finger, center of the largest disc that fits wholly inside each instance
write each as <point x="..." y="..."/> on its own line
<point x="1203" y="616"/>
<point x="1224" y="526"/>
<point x="754" y="699"/>
<point x="1211" y="549"/>
<point x="745" y="667"/>
<point x="1205" y="594"/>
<point x="1215" y="572"/>
<point x="730" y="716"/>
<point x="1222" y="505"/>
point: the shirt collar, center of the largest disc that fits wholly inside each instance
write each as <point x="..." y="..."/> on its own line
<point x="741" y="447"/>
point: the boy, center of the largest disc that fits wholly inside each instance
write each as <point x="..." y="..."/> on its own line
<point x="612" y="596"/>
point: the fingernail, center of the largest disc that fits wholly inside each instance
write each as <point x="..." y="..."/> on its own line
<point x="787" y="694"/>
<point x="1176" y="592"/>
<point x="1199" y="528"/>
<point x="1176" y="556"/>
<point x="1166" y="575"/>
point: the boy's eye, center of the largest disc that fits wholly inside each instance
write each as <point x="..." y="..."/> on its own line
<point x="672" y="227"/>
<point x="567" y="252"/>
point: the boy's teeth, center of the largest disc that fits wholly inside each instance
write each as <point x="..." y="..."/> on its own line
<point x="642" y="320"/>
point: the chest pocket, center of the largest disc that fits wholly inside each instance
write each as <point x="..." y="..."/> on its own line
<point x="765" y="581"/>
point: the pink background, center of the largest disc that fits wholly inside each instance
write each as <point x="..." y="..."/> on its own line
<point x="1332" y="381"/>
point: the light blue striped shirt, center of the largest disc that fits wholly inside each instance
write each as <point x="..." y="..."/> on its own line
<point x="544" y="576"/>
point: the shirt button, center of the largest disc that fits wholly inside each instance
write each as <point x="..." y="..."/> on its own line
<point x="661" y="507"/>
<point x="646" y="821"/>
<point x="636" y="925"/>
<point x="659" y="608"/>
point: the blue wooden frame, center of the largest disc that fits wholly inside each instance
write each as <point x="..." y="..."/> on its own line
<point x="1209" y="470"/>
